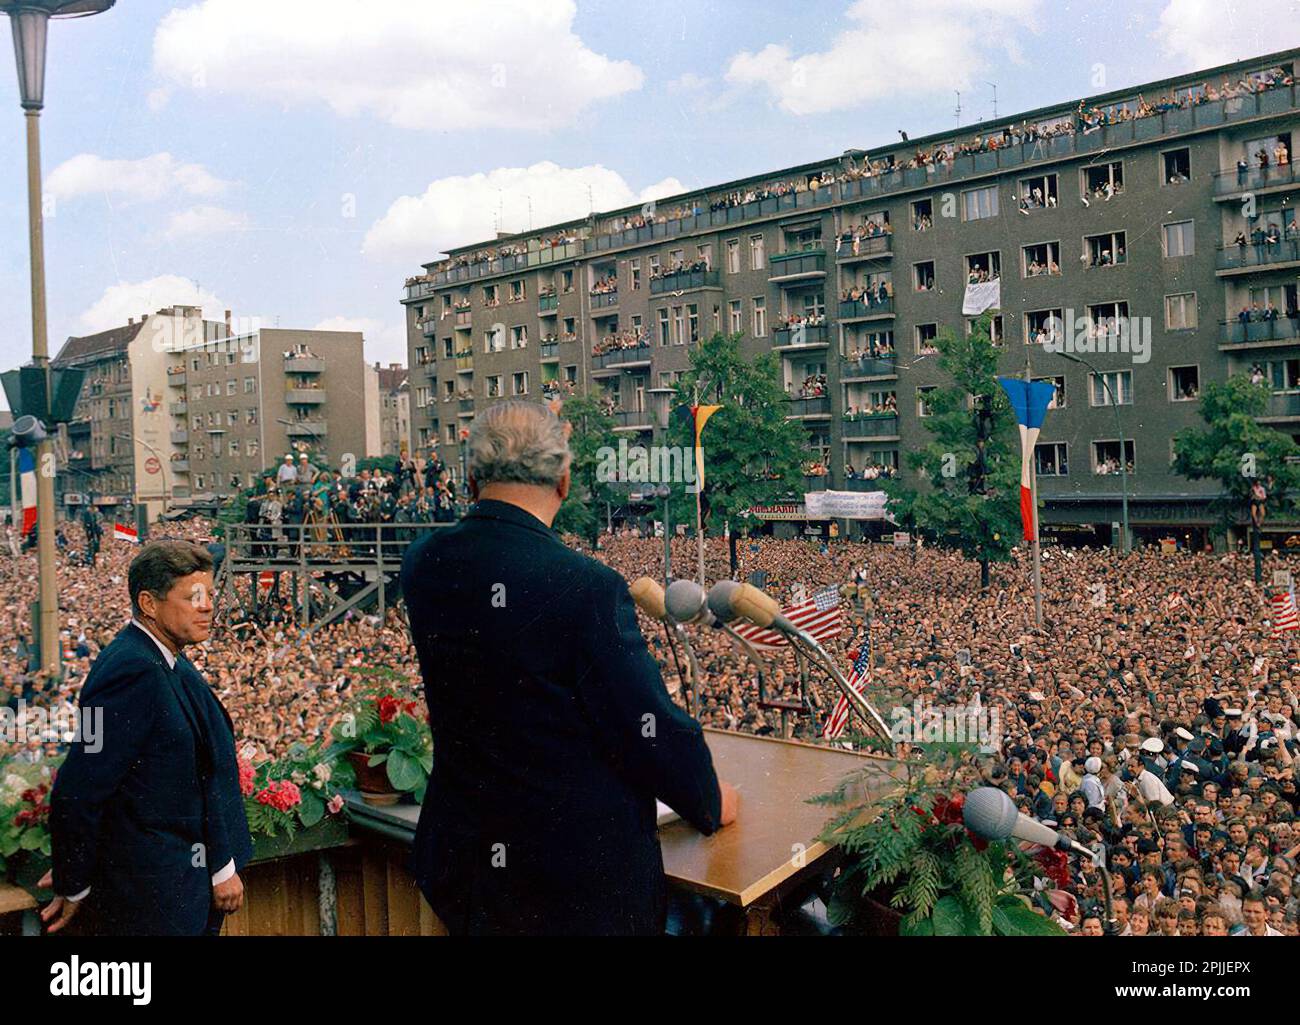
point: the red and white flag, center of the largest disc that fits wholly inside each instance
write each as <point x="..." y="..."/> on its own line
<point x="27" y="482"/>
<point x="1284" y="613"/>
<point x="859" y="673"/>
<point x="124" y="533"/>
<point x="265" y="580"/>
<point x="819" y="615"/>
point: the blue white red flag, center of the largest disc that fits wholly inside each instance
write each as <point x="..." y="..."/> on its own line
<point x="1029" y="399"/>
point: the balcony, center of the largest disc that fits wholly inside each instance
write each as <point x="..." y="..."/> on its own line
<point x="616" y="358"/>
<point x="538" y="256"/>
<point x="604" y="300"/>
<point x="633" y="420"/>
<point x="464" y="405"/>
<point x="860" y="484"/>
<point x="801" y="336"/>
<point x="875" y="425"/>
<point x="429" y="326"/>
<point x="304" y="365"/>
<point x="429" y="368"/>
<point x="873" y="248"/>
<point x="179" y="466"/>
<point x="875" y="309"/>
<point x="868" y="367"/>
<point x="180" y="437"/>
<point x="818" y="405"/>
<point x="817" y="483"/>
<point x="1283" y="406"/>
<point x="1260" y="333"/>
<point x="178" y="408"/>
<point x="801" y="265"/>
<point x="1285" y="253"/>
<point x="306" y="429"/>
<point x="547" y="303"/>
<point x="1255" y="179"/>
<point x="550" y="350"/>
<point x="465" y="364"/>
<point x="685" y="281"/>
<point x="464" y="319"/>
<point x="304" y="396"/>
<point x="176" y="380"/>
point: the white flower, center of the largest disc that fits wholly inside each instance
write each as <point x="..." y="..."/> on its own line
<point x="298" y="776"/>
<point x="323" y="772"/>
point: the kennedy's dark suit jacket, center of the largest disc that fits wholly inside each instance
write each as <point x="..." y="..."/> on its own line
<point x="552" y="736"/>
<point x="149" y="818"/>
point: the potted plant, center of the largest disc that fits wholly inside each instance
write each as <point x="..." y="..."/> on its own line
<point x="24" y="820"/>
<point x="389" y="748"/>
<point x="911" y="868"/>
<point x="299" y="792"/>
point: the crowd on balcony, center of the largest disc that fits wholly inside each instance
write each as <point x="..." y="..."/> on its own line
<point x="867" y="295"/>
<point x="302" y="353"/>
<point x="1267" y="238"/>
<point x="816" y="468"/>
<point x="558" y="389"/>
<point x="872" y="471"/>
<point x="548" y="339"/>
<point x="632" y="338"/>
<point x="795" y="320"/>
<point x="465" y="394"/>
<point x="813" y="387"/>
<point x="854" y="235"/>
<point x="877" y="348"/>
<point x="1280" y="156"/>
<point x="605" y="285"/>
<point x="461" y="305"/>
<point x="680" y="267"/>
<point x="545" y="291"/>
<point x="1257" y="314"/>
<point x="888" y="406"/>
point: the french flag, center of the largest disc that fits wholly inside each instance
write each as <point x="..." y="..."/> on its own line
<point x="27" y="480"/>
<point x="1030" y="400"/>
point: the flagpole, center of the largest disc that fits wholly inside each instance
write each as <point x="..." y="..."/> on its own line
<point x="1033" y="508"/>
<point x="699" y="489"/>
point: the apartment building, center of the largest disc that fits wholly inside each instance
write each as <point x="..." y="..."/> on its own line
<point x="176" y="409"/>
<point x="394" y="410"/>
<point x="1148" y="208"/>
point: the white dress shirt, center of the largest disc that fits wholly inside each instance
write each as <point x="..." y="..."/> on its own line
<point x="229" y="869"/>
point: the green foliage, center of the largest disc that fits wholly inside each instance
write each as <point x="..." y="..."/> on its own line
<point x="593" y="430"/>
<point x="391" y="731"/>
<point x="1235" y="449"/>
<point x="984" y="523"/>
<point x="752" y="453"/>
<point x="315" y="773"/>
<point x="24" y="810"/>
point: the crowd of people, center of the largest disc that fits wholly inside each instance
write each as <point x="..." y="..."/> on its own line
<point x="814" y="386"/>
<point x="886" y="405"/>
<point x="632" y="338"/>
<point x="868" y="295"/>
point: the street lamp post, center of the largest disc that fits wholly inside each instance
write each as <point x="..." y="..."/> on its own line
<point x="1119" y="429"/>
<point x="30" y="21"/>
<point x="664" y="492"/>
<point x="167" y="492"/>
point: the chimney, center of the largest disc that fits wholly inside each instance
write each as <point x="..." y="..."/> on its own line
<point x="130" y="321"/>
<point x="227" y="323"/>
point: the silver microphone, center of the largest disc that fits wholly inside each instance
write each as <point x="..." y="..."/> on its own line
<point x="686" y="602"/>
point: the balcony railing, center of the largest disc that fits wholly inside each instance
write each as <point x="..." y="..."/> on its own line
<point x="856" y="308"/>
<point x="464" y="318"/>
<point x="876" y="425"/>
<point x="465" y="405"/>
<point x="179" y="466"/>
<point x="685" y="281"/>
<point x="304" y="396"/>
<point x="429" y="326"/>
<point x="818" y="405"/>
<point x="178" y="408"/>
<point x="621" y="357"/>
<point x="1281" y="329"/>
<point x="869" y="366"/>
<point x="1284" y="404"/>
<point x="860" y="484"/>
<point x="176" y="380"/>
<point x="547" y="302"/>
<point x="816" y="482"/>
<point x="602" y="300"/>
<point x="1254" y="178"/>
<point x="868" y="249"/>
<point x="464" y="364"/>
<point x="799" y="264"/>
<point x="304" y="365"/>
<point x="306" y="429"/>
<point x="800" y="335"/>
<point x="634" y="418"/>
<point x="539" y="257"/>
<point x="180" y="437"/>
<point x="550" y="350"/>
<point x="1261" y="254"/>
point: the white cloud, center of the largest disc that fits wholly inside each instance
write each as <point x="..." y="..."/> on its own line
<point x="385" y="341"/>
<point x="888" y="51"/>
<point x="687" y="82"/>
<point x="148" y="178"/>
<point x="1205" y="33"/>
<point x="134" y="299"/>
<point x="441" y="66"/>
<point x="465" y="209"/>
<point x="199" y="221"/>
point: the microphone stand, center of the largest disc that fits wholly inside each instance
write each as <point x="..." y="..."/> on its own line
<point x="749" y="650"/>
<point x="693" y="700"/>
<point x="817" y="655"/>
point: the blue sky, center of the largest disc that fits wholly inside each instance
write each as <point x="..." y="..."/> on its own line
<point x="294" y="160"/>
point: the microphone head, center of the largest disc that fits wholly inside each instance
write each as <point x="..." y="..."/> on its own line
<point x="989" y="813"/>
<point x="720" y="595"/>
<point x="685" y="600"/>
<point x="649" y="596"/>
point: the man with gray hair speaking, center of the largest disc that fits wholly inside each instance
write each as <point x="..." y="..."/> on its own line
<point x="552" y="730"/>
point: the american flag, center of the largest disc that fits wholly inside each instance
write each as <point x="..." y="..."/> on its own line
<point x="1284" y="613"/>
<point x="818" y="614"/>
<point x="859" y="673"/>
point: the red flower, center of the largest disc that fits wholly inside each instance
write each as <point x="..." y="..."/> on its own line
<point x="949" y="810"/>
<point x="1055" y="865"/>
<point x="246" y="776"/>
<point x="281" y="795"/>
<point x="388" y="707"/>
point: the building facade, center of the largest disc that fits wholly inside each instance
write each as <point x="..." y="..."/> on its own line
<point x="394" y="410"/>
<point x="1129" y="230"/>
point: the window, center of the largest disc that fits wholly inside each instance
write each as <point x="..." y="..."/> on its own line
<point x="1050" y="459"/>
<point x="693" y="322"/>
<point x="757" y="253"/>
<point x="232" y="417"/>
<point x="250" y="385"/>
<point x="1044" y="258"/>
<point x="519" y="336"/>
<point x="923" y="276"/>
<point x="1105" y="250"/>
<point x="1177" y="165"/>
<point x="760" y="317"/>
<point x="665" y="332"/>
<point x="634" y="269"/>
<point x="1058" y="396"/>
<point x="570" y="328"/>
<point x="571" y="374"/>
<point x="1107" y="324"/>
<point x="1180" y="239"/>
<point x="922" y="215"/>
<point x="977" y="204"/>
<point x="1105" y="456"/>
<point x="566" y="281"/>
<point x="494" y="339"/>
<point x="234" y="446"/>
<point x="519" y="383"/>
<point x="704" y="255"/>
<point x="676" y="259"/>
<point x="250" y="415"/>
<point x="517" y="293"/>
<point x="1038" y="193"/>
<point x="1113" y="383"/>
<point x="922" y="397"/>
<point x="1184" y="383"/>
<point x="1044" y="326"/>
<point x="490" y="296"/>
<point x="448" y="390"/>
<point x="446" y="303"/>
<point x="997" y="333"/>
<point x="1180" y="311"/>
<point x="733" y="256"/>
<point x="983" y="267"/>
<point x="679" y="326"/>
<point x="925" y="339"/>
<point x="1102" y="181"/>
<point x="492" y="386"/>
<point x="734" y="322"/>
<point x="232" y="387"/>
<point x="654" y="266"/>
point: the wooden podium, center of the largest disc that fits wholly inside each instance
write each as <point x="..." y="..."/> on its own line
<point x="772" y="847"/>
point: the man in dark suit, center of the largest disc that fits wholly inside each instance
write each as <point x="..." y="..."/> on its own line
<point x="552" y="730"/>
<point x="146" y="817"/>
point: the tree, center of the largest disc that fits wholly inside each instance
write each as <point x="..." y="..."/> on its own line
<point x="971" y="467"/>
<point x="1236" y="450"/>
<point x="593" y="431"/>
<point x="751" y="451"/>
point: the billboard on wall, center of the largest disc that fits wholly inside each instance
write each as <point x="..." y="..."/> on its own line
<point x="845" y="505"/>
<point x="150" y="422"/>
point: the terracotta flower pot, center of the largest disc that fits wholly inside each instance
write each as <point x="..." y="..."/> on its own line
<point x="372" y="780"/>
